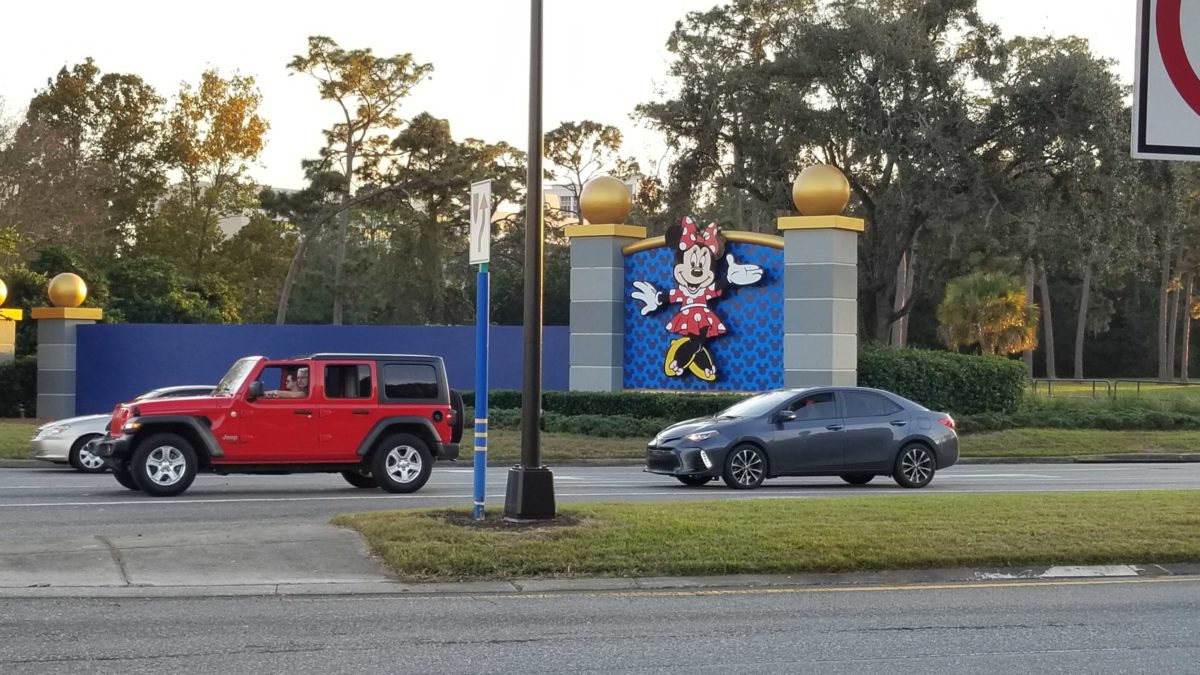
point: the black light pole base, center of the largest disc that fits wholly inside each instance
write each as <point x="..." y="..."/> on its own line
<point x="530" y="494"/>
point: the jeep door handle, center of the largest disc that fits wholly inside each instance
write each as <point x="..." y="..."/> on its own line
<point x="302" y="412"/>
<point x="835" y="427"/>
<point x="360" y="412"/>
<point x="898" y="423"/>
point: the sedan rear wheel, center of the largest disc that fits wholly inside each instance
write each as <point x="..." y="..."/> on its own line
<point x="915" y="466"/>
<point x="745" y="468"/>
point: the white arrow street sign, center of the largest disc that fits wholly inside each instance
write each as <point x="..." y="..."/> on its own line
<point x="481" y="222"/>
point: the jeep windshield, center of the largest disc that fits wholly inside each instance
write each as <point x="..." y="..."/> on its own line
<point x="232" y="380"/>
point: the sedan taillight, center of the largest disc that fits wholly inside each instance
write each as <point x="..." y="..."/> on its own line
<point x="948" y="421"/>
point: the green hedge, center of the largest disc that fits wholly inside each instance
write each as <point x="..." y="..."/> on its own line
<point x="630" y="404"/>
<point x="614" y="426"/>
<point x="956" y="383"/>
<point x="1130" y="419"/>
<point x="18" y="387"/>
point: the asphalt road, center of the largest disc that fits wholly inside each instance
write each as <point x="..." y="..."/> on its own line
<point x="60" y="530"/>
<point x="42" y="502"/>
<point x="1133" y="626"/>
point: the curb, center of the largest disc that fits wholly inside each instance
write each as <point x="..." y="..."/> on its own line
<point x="892" y="580"/>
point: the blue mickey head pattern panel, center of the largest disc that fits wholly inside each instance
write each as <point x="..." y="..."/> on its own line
<point x="749" y="357"/>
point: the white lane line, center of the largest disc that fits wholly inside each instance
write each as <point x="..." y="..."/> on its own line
<point x="1000" y="475"/>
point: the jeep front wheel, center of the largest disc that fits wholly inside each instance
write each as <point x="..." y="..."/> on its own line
<point x="401" y="463"/>
<point x="164" y="465"/>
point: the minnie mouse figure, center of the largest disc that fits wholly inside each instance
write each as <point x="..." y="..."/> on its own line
<point x="697" y="253"/>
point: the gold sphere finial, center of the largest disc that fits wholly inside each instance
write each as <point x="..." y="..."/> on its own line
<point x="605" y="200"/>
<point x="67" y="290"/>
<point x="3" y="292"/>
<point x="821" y="190"/>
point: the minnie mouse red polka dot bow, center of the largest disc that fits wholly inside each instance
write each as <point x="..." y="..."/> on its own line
<point x="693" y="235"/>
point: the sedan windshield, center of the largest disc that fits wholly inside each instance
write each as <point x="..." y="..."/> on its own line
<point x="757" y="405"/>
<point x="232" y="380"/>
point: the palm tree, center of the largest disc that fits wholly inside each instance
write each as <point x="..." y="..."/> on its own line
<point x="989" y="309"/>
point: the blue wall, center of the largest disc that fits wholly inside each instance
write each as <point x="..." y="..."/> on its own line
<point x="119" y="361"/>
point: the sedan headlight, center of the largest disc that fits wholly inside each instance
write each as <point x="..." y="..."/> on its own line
<point x="701" y="435"/>
<point x="47" y="432"/>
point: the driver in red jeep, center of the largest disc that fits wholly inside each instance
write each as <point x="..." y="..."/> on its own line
<point x="296" y="387"/>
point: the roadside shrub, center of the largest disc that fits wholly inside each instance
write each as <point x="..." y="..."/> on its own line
<point x="611" y="426"/>
<point x="956" y="383"/>
<point x="18" y="387"/>
<point x="1111" y="418"/>
<point x="631" y="404"/>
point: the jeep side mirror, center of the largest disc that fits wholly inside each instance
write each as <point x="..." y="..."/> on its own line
<point x="255" y="390"/>
<point x="785" y="416"/>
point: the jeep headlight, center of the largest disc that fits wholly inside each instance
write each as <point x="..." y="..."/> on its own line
<point x="701" y="435"/>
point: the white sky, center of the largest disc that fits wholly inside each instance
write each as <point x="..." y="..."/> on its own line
<point x="602" y="58"/>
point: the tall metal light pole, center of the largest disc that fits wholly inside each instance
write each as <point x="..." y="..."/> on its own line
<point x="530" y="493"/>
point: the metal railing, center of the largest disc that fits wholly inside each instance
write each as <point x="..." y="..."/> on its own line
<point x="1110" y="389"/>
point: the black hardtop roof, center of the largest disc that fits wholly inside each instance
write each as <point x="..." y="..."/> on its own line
<point x="346" y="356"/>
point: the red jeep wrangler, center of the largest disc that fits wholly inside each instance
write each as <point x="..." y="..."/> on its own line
<point x="378" y="419"/>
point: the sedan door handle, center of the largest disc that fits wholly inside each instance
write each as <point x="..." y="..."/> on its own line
<point x="899" y="423"/>
<point x="835" y="427"/>
<point x="302" y="412"/>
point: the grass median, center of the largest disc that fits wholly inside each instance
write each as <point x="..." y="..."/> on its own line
<point x="505" y="444"/>
<point x="792" y="536"/>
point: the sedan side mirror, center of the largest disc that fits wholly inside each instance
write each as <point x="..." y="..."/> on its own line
<point x="785" y="416"/>
<point x="255" y="390"/>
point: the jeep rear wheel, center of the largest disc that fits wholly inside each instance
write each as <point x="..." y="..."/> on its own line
<point x="164" y="465"/>
<point x="401" y="463"/>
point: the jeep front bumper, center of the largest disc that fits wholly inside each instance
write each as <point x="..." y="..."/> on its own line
<point x="111" y="449"/>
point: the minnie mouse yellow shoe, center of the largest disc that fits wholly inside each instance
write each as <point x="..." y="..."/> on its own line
<point x="670" y="367"/>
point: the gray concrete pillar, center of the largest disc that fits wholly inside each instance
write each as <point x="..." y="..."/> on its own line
<point x="8" y="333"/>
<point x="56" y="357"/>
<point x="597" y="302"/>
<point x="820" y="344"/>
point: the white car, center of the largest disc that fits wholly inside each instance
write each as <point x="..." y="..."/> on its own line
<point x="66" y="441"/>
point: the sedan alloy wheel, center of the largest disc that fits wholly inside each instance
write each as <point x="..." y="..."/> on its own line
<point x="745" y="468"/>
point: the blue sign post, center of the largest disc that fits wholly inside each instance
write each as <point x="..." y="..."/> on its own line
<point x="482" y="310"/>
<point x="480" y="254"/>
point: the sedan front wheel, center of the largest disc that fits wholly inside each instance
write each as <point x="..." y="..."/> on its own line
<point x="914" y="466"/>
<point x="745" y="468"/>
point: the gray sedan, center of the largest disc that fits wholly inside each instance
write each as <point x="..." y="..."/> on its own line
<point x="851" y="432"/>
<point x="66" y="441"/>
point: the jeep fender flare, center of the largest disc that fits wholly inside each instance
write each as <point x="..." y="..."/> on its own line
<point x="384" y="425"/>
<point x="201" y="431"/>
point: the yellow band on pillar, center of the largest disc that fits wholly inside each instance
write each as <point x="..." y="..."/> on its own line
<point x="77" y="313"/>
<point x="821" y="223"/>
<point x="631" y="231"/>
<point x="11" y="315"/>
